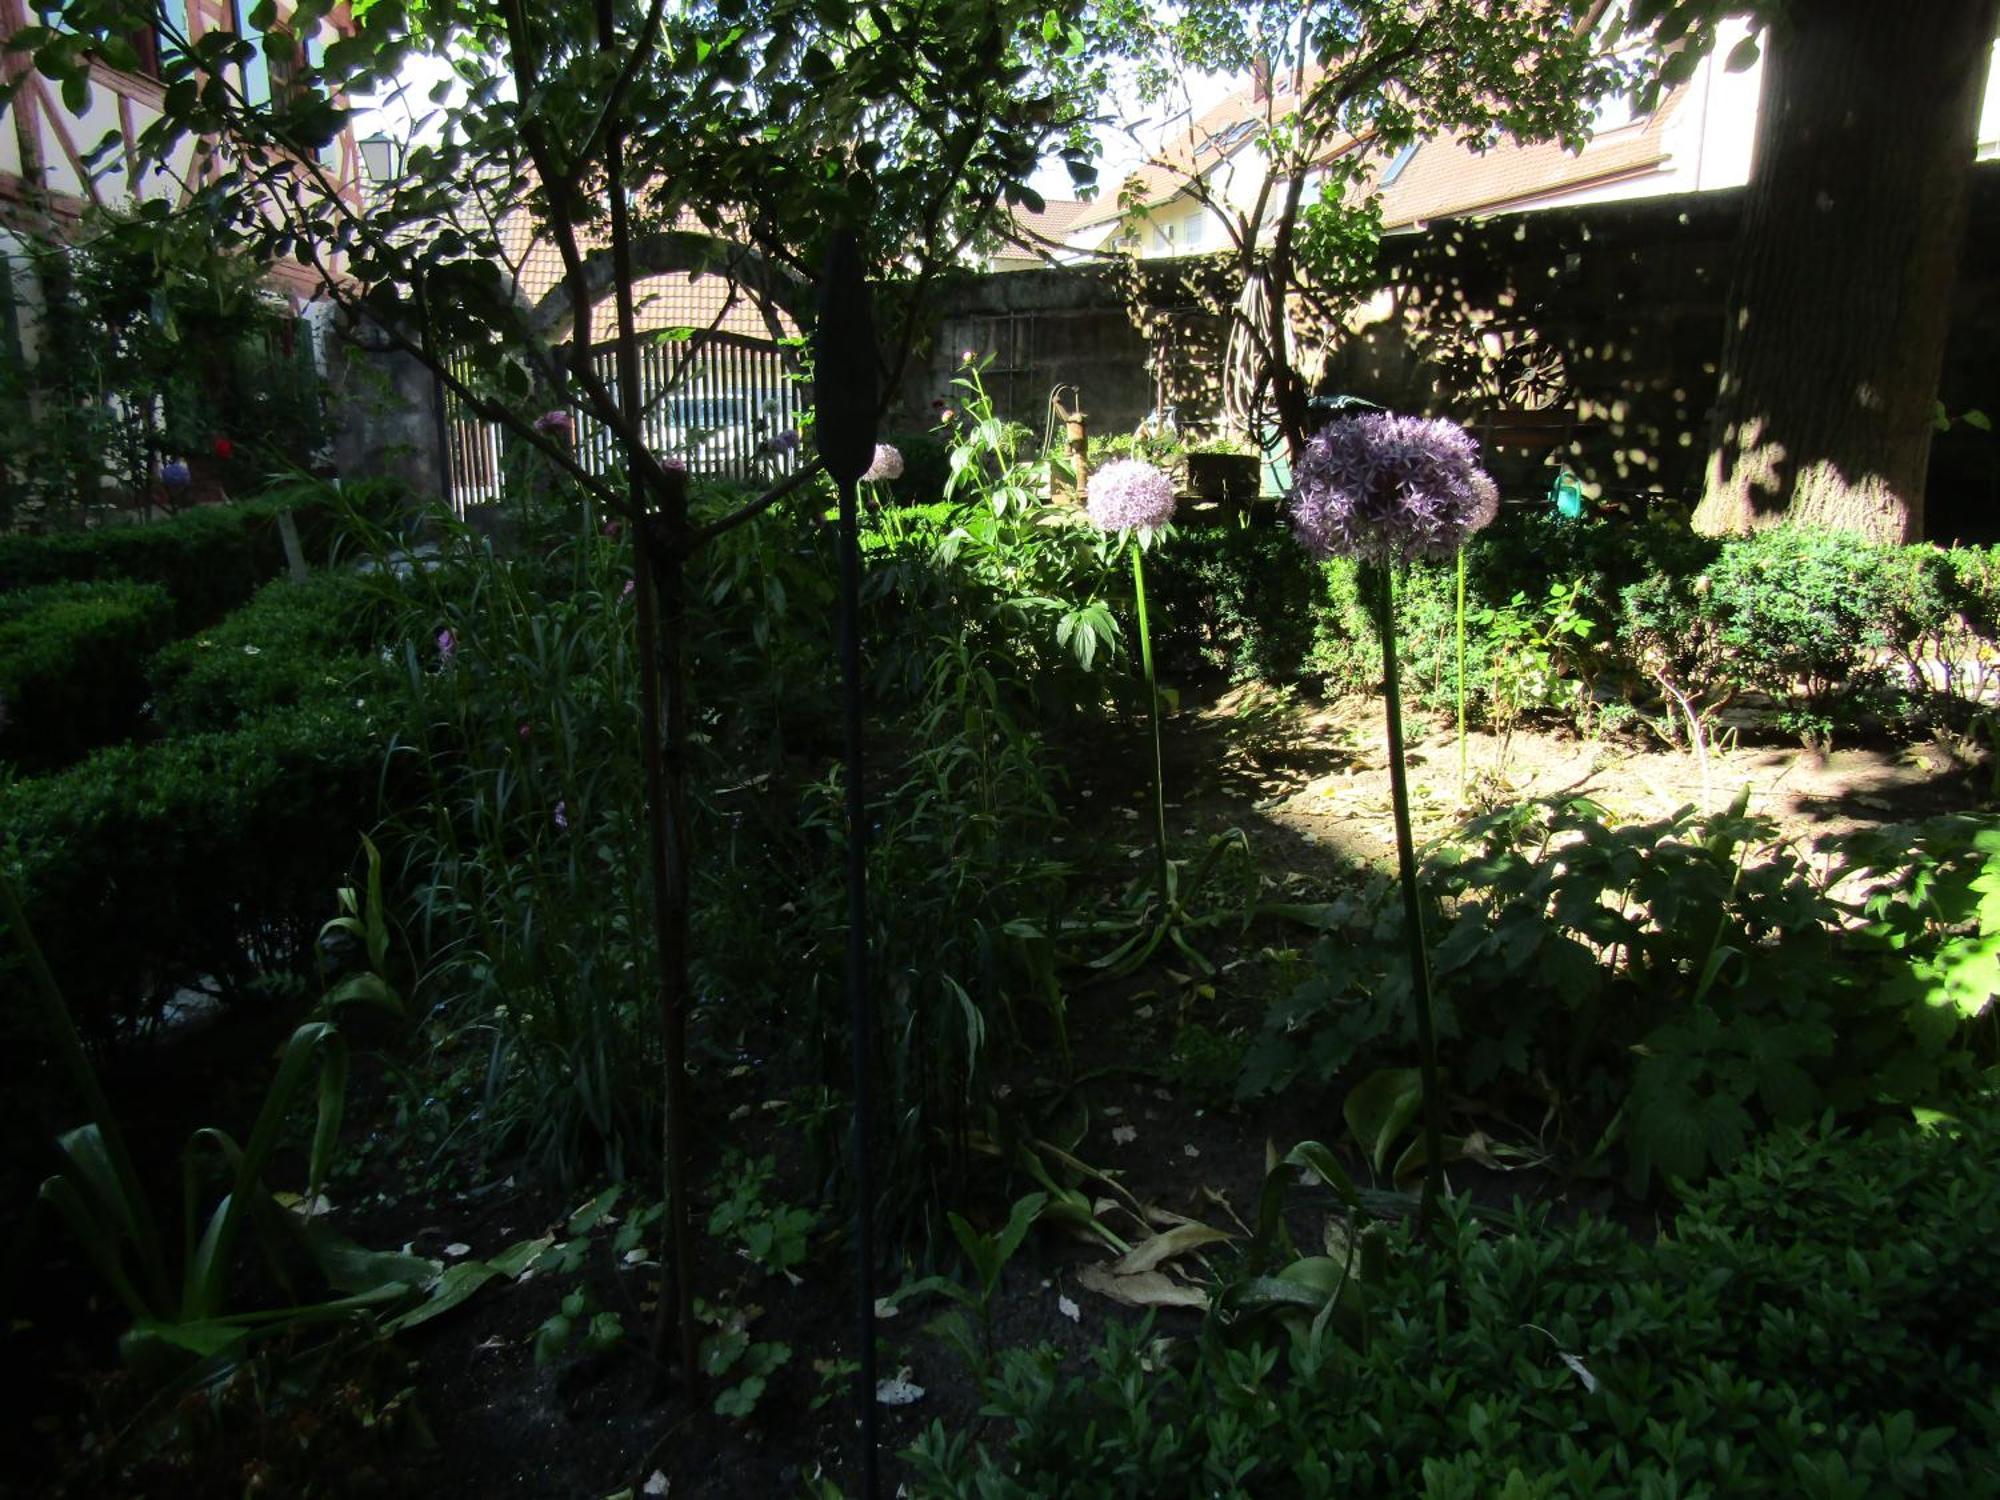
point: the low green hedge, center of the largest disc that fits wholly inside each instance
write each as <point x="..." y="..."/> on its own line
<point x="1820" y="1322"/>
<point x="209" y="559"/>
<point x="73" y="666"/>
<point x="205" y="859"/>
<point x="292" y="643"/>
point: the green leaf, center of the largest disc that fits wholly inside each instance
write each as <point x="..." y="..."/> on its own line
<point x="740" y="1400"/>
<point x="452" y="1288"/>
<point x="1380" y="1108"/>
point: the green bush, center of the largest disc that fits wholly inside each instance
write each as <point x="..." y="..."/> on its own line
<point x="197" y="861"/>
<point x="1238" y="596"/>
<point x="1819" y="1323"/>
<point x="209" y="560"/>
<point x="1803" y="612"/>
<point x="72" y="666"/>
<point x="292" y="643"/>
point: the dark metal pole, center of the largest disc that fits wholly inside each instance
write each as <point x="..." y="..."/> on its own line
<point x="845" y="382"/>
<point x="857" y="975"/>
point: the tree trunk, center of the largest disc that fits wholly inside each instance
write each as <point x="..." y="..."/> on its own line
<point x="1845" y="263"/>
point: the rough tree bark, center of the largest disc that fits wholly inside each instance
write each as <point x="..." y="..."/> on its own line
<point x="1846" y="258"/>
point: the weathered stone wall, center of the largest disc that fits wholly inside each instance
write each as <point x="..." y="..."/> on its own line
<point x="387" y="412"/>
<point x="1614" y="311"/>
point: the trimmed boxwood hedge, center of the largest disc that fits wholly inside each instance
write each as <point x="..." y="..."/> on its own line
<point x="207" y="858"/>
<point x="73" y="666"/>
<point x="292" y="643"/>
<point x="209" y="559"/>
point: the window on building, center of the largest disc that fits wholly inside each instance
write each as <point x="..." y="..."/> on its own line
<point x="1164" y="237"/>
<point x="1193" y="230"/>
<point x="1399" y="162"/>
<point x="277" y="59"/>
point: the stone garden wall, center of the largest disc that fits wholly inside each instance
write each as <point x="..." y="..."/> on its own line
<point x="1611" y="312"/>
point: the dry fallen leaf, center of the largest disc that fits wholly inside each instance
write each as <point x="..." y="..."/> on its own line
<point x="898" y="1391"/>
<point x="656" y="1483"/>
<point x="1161" y="1248"/>
<point x="1152" y="1289"/>
<point x="457" y="1248"/>
<point x="1124" y="1135"/>
<point x="1069" y="1309"/>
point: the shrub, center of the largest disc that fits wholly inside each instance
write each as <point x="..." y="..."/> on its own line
<point x="1804" y="612"/>
<point x="292" y="643"/>
<point x="201" y="861"/>
<point x="1238" y="596"/>
<point x="72" y="666"/>
<point x="1819" y="1323"/>
<point x="209" y="559"/>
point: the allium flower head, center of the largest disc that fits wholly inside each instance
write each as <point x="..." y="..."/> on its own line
<point x="1128" y="495"/>
<point x="1387" y="488"/>
<point x="557" y="423"/>
<point x="888" y="464"/>
<point x="174" y="474"/>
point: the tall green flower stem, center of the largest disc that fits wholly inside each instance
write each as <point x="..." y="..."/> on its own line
<point x="1461" y="677"/>
<point x="1164" y="874"/>
<point x="1413" y="915"/>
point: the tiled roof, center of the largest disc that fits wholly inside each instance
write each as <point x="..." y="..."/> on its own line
<point x="1034" y="232"/>
<point x="1198" y="147"/>
<point x="1446" y="178"/>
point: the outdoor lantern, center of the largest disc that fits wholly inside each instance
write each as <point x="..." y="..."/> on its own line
<point x="378" y="158"/>
<point x="1567" y="496"/>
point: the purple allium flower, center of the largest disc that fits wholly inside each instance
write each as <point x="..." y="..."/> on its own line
<point x="626" y="592"/>
<point x="888" y="464"/>
<point x="174" y="474"/>
<point x="1128" y="495"/>
<point x="447" y="644"/>
<point x="562" y="816"/>
<point x="556" y="423"/>
<point x="1386" y="487"/>
<point x="674" y="465"/>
